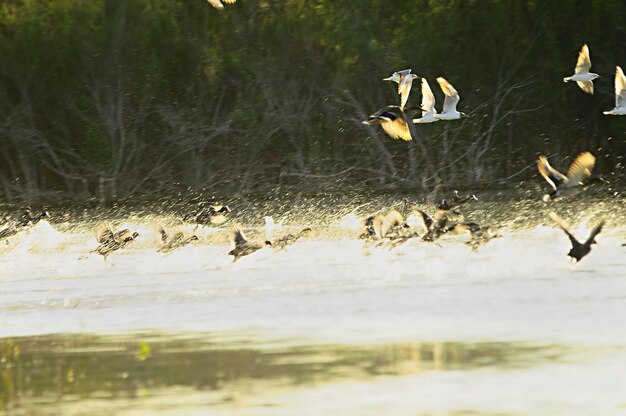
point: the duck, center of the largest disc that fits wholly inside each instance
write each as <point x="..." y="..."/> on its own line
<point x="290" y="239"/>
<point x="241" y="245"/>
<point x="209" y="213"/>
<point x="429" y="114"/>
<point x="110" y="241"/>
<point x="572" y="184"/>
<point x="27" y="219"/>
<point x="404" y="79"/>
<point x="578" y="250"/>
<point x="479" y="235"/>
<point x="582" y="76"/>
<point x="218" y="3"/>
<point x="449" y="111"/>
<point x="392" y="119"/>
<point x="620" y="94"/>
<point x="177" y="240"/>
<point x="455" y="200"/>
<point x="432" y="227"/>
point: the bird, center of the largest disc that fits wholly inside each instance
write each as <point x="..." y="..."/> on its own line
<point x="110" y="240"/>
<point x="174" y="242"/>
<point x="429" y="114"/>
<point x="582" y="76"/>
<point x="393" y="120"/>
<point x="382" y="225"/>
<point x="449" y="111"/>
<point x="620" y="94"/>
<point x="432" y="227"/>
<point x="27" y="219"/>
<point x="479" y="234"/>
<point x="241" y="246"/>
<point x="569" y="185"/>
<point x="290" y="239"/>
<point x="271" y="226"/>
<point x="578" y="250"/>
<point x="208" y="213"/>
<point x="404" y="79"/>
<point x="218" y="3"/>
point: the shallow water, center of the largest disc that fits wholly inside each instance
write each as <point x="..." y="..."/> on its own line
<point x="332" y="325"/>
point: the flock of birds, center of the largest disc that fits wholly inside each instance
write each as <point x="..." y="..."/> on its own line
<point x="394" y="121"/>
<point x="390" y="229"/>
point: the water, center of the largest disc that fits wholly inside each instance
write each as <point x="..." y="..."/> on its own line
<point x="329" y="326"/>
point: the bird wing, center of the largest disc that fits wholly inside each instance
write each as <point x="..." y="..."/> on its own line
<point x="229" y="1"/>
<point x="428" y="99"/>
<point x="559" y="221"/>
<point x="395" y="125"/>
<point x="594" y="232"/>
<point x="583" y="65"/>
<point x="452" y="96"/>
<point x="586" y="86"/>
<point x="104" y="232"/>
<point x="216" y="3"/>
<point x="425" y="220"/>
<point x="580" y="169"/>
<point x="620" y="88"/>
<point x="391" y="220"/>
<point x="551" y="175"/>
<point x="404" y="88"/>
<point x="236" y="235"/>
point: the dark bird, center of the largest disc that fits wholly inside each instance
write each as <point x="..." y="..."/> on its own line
<point x="110" y="240"/>
<point x="434" y="227"/>
<point x="479" y="235"/>
<point x="569" y="185"/>
<point x="578" y="250"/>
<point x="455" y="201"/>
<point x="208" y="213"/>
<point x="241" y="246"/>
<point x="392" y="119"/>
<point x="176" y="241"/>
<point x="290" y="239"/>
<point x="26" y="220"/>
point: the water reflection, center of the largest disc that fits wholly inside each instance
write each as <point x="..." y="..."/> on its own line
<point x="45" y="374"/>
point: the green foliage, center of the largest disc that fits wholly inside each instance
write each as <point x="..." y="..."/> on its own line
<point x="149" y="93"/>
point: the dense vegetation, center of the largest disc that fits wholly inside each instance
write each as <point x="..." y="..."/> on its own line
<point x="109" y="98"/>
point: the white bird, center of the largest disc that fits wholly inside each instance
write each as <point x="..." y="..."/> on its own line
<point x="271" y="226"/>
<point x="449" y="111"/>
<point x="620" y="94"/>
<point x="218" y="3"/>
<point x="429" y="114"/>
<point x="404" y="79"/>
<point x="582" y="76"/>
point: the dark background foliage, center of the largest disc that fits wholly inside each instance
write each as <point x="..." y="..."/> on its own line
<point x="107" y="98"/>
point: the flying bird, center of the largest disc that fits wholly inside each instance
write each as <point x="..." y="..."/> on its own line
<point x="578" y="250"/>
<point x="404" y="79"/>
<point x="620" y="94"/>
<point x="563" y="185"/>
<point x="241" y="246"/>
<point x="393" y="120"/>
<point x="582" y="76"/>
<point x="110" y="241"/>
<point x="178" y="240"/>
<point x="429" y="114"/>
<point x="449" y="111"/>
<point x="218" y="3"/>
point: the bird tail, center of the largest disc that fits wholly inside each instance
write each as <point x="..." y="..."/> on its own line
<point x="567" y="79"/>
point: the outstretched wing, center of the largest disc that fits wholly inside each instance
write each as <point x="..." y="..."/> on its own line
<point x="104" y="233"/>
<point x="551" y="175"/>
<point x="425" y="221"/>
<point x="580" y="169"/>
<point x="620" y="88"/>
<point x="586" y="86"/>
<point x="452" y="96"/>
<point x="236" y="235"/>
<point x="594" y="232"/>
<point x="584" y="62"/>
<point x="559" y="221"/>
<point x="428" y="99"/>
